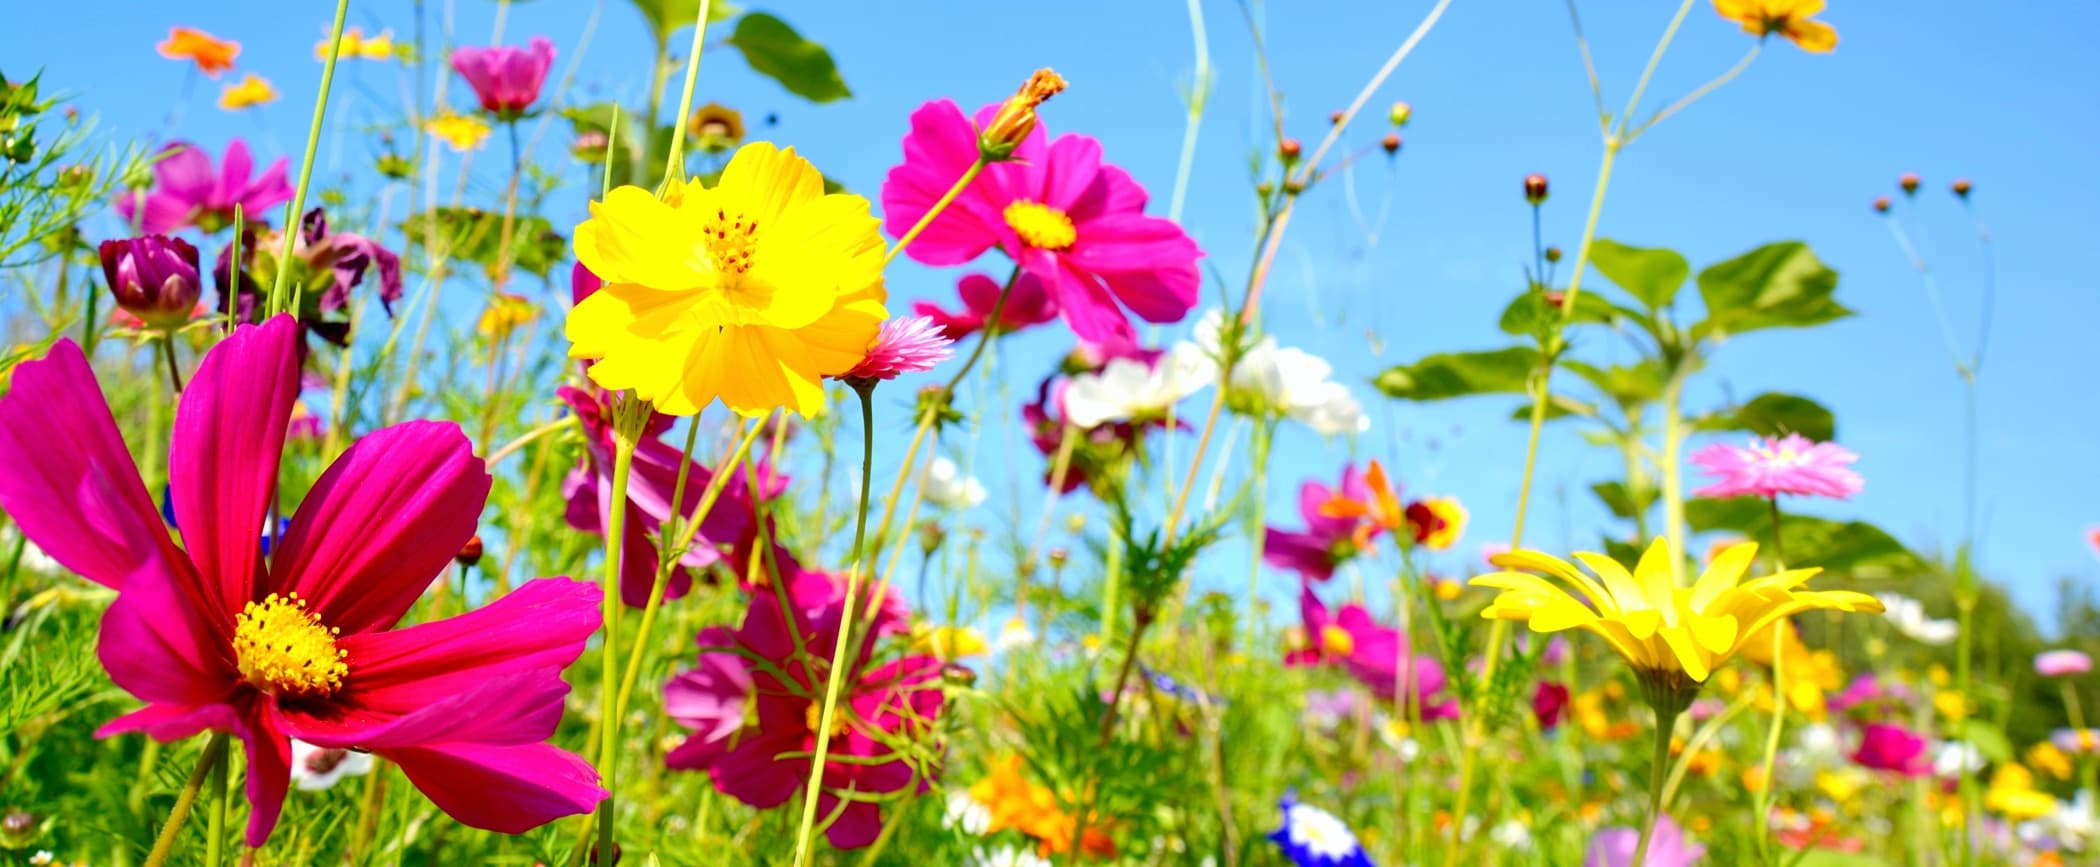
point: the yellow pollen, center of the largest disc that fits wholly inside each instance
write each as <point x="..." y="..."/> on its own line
<point x="283" y="649"/>
<point x="731" y="241"/>
<point x="815" y="714"/>
<point x="1041" y="226"/>
<point x="1336" y="641"/>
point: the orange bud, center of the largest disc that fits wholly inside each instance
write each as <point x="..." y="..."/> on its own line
<point x="1881" y="204"/>
<point x="1337" y="117"/>
<point x="1016" y="116"/>
<point x="1290" y="150"/>
<point x="470" y="553"/>
<point x="1535" y="188"/>
<point x="1962" y="187"/>
<point x="1553" y="254"/>
<point x="1391" y="143"/>
<point x="1909" y="182"/>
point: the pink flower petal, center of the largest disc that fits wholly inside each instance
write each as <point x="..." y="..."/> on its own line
<point x="752" y="772"/>
<point x="222" y="464"/>
<point x="1067" y="177"/>
<point x="938" y="150"/>
<point x="509" y="789"/>
<point x="269" y="770"/>
<point x="234" y="171"/>
<point x="383" y="521"/>
<point x="162" y="644"/>
<point x="171" y="722"/>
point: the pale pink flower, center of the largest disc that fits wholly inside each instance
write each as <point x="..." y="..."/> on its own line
<point x="907" y="345"/>
<point x="1793" y="464"/>
<point x="2062" y="663"/>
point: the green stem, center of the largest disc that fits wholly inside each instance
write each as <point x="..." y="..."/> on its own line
<point x="368" y="809"/>
<point x="1673" y="473"/>
<point x="615" y="542"/>
<point x="164" y="845"/>
<point x="1199" y="97"/>
<point x="306" y="165"/>
<point x="1658" y="767"/>
<point x="1111" y="588"/>
<point x="1768" y="784"/>
<point x="215" y="838"/>
<point x="167" y="351"/>
<point x="834" y="676"/>
<point x="674" y="163"/>
<point x="1257" y="537"/>
<point x="946" y="199"/>
<point x="1640" y="87"/>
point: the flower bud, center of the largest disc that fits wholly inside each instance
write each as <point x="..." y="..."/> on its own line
<point x="1264" y="189"/>
<point x="75" y="175"/>
<point x="1909" y="182"/>
<point x="589" y="146"/>
<point x="1016" y="116"/>
<point x="1555" y="298"/>
<point x="470" y="553"/>
<point x="930" y="538"/>
<point x="1290" y="150"/>
<point x="1881" y="204"/>
<point x="1553" y="254"/>
<point x="1962" y="187"/>
<point x="1535" y="188"/>
<point x="958" y="675"/>
<point x="1400" y="113"/>
<point x="1058" y="557"/>
<point x="154" y="278"/>
<point x="18" y="829"/>
<point x="393" y="165"/>
<point x="1337" y="116"/>
<point x="1391" y="143"/>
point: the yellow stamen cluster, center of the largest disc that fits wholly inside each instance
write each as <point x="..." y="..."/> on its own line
<point x="282" y="649"/>
<point x="731" y="241"/>
<point x="814" y="718"/>
<point x="1336" y="641"/>
<point x="1041" y="226"/>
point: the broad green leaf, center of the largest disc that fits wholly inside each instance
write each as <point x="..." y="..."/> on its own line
<point x="1852" y="548"/>
<point x="1622" y="502"/>
<point x="475" y="235"/>
<point x="1651" y="274"/>
<point x="1628" y="385"/>
<point x="1779" y="285"/>
<point x="1558" y="406"/>
<point x="1990" y="741"/>
<point x="1530" y="313"/>
<point x="1774" y="414"/>
<point x="666" y="17"/>
<point x="1457" y="374"/>
<point x="776" y="51"/>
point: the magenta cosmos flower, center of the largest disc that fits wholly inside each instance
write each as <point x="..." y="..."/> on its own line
<point x="1885" y="747"/>
<point x="1074" y="222"/>
<point x="766" y="763"/>
<point x="302" y="644"/>
<point x="154" y="278"/>
<point x="910" y="344"/>
<point x="1793" y="464"/>
<point x="187" y="191"/>
<point x="1328" y="540"/>
<point x="1372" y="653"/>
<point x="507" y="80"/>
<point x="651" y="483"/>
<point x="1027" y="305"/>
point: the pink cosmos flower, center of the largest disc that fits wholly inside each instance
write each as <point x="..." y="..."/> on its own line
<point x="1327" y="540"/>
<point x="908" y="344"/>
<point x="300" y="644"/>
<point x="1549" y="703"/>
<point x="1668" y="847"/>
<point x="2062" y="663"/>
<point x="1779" y="465"/>
<point x="1074" y="222"/>
<point x="651" y="482"/>
<point x="1886" y="747"/>
<point x="188" y="192"/>
<point x="1026" y="305"/>
<point x="1372" y="653"/>
<point x="507" y="80"/>
<point x="766" y="764"/>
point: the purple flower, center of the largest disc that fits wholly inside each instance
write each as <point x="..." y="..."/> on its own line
<point x="325" y="267"/>
<point x="1668" y="847"/>
<point x="188" y="192"/>
<point x="154" y="278"/>
<point x="1772" y="466"/>
<point x="507" y="80"/>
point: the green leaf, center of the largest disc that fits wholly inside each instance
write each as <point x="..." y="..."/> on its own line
<point x="1990" y="740"/>
<point x="1853" y="548"/>
<point x="1558" y="406"/>
<point x="1779" y="285"/>
<point x="1774" y="414"/>
<point x="1530" y="313"/>
<point x="1628" y="385"/>
<point x="1651" y="274"/>
<point x="1621" y="501"/>
<point x="776" y="51"/>
<point x="1457" y="374"/>
<point x="476" y="235"/>
<point x="666" y="17"/>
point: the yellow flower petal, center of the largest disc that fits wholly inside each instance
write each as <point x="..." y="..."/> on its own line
<point x="1724" y="572"/>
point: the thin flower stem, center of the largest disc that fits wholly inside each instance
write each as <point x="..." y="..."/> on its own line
<point x="834" y="677"/>
<point x="1674" y="431"/>
<point x="1060" y="469"/>
<point x="215" y="835"/>
<point x="1589" y="67"/>
<point x="368" y="809"/>
<point x="306" y="165"/>
<point x="1654" y="60"/>
<point x="164" y="845"/>
<point x="1658" y="766"/>
<point x="939" y="206"/>
<point x="674" y="163"/>
<point x="527" y="438"/>
<point x="167" y="351"/>
<point x="615" y="543"/>
<point x="1701" y="93"/>
<point x="1767" y="783"/>
<point x="1199" y="98"/>
<point x="1263" y="431"/>
<point x="984" y="338"/>
<point x="510" y="207"/>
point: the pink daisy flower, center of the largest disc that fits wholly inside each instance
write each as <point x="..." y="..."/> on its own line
<point x="1793" y="464"/>
<point x="1026" y="305"/>
<point x="1071" y="220"/>
<point x="187" y="191"/>
<point x="507" y="80"/>
<point x="2062" y="663"/>
<point x="300" y="644"/>
<point x="1370" y="652"/>
<point x="906" y="345"/>
<point x="766" y="764"/>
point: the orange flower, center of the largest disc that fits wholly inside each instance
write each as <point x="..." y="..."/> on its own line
<point x="1788" y="18"/>
<point x="1383" y="510"/>
<point x="1014" y="801"/>
<point x="212" y="54"/>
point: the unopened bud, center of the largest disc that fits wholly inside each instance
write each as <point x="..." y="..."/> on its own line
<point x="1264" y="189"/>
<point x="1016" y="116"/>
<point x="1553" y="254"/>
<point x="1058" y="557"/>
<point x="154" y="278"/>
<point x="1391" y="143"/>
<point x="1290" y="150"/>
<point x="1909" y="182"/>
<point x="1556" y="298"/>
<point x="930" y="537"/>
<point x="1962" y="187"/>
<point x="1881" y="204"/>
<point x="1400" y="113"/>
<point x="1337" y="116"/>
<point x="1535" y="188"/>
<point x="957" y="674"/>
<point x="1294" y="188"/>
<point x="75" y="175"/>
<point x="589" y="146"/>
<point x="470" y="553"/>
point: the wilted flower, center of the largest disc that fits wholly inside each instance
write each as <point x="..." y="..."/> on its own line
<point x="153" y="278"/>
<point x="1793" y="464"/>
<point x="211" y="54"/>
<point x="507" y="80"/>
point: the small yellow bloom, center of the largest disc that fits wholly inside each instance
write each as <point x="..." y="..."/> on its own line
<point x="357" y="44"/>
<point x="251" y="91"/>
<point x="1442" y="522"/>
<point x="1788" y="18"/>
<point x="749" y="292"/>
<point x="1841" y="785"/>
<point x="2047" y="758"/>
<point x="2012" y="793"/>
<point x="1448" y="590"/>
<point x="464" y="132"/>
<point x="949" y="643"/>
<point x="1938" y="675"/>
<point x="506" y="313"/>
<point x="1657" y="626"/>
<point x="1952" y="705"/>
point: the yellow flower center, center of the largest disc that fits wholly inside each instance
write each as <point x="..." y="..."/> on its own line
<point x="731" y="242"/>
<point x="283" y="649"/>
<point x="1336" y="641"/>
<point x="814" y="719"/>
<point x="1041" y="226"/>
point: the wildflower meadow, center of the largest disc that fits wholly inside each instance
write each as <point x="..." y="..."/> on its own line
<point x="1224" y="433"/>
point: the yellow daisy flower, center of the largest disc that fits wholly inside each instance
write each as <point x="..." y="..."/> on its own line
<point x="751" y="291"/>
<point x="1788" y="18"/>
<point x="251" y="91"/>
<point x="357" y="45"/>
<point x="464" y="132"/>
<point x="1657" y="626"/>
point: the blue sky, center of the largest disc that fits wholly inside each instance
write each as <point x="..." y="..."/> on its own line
<point x="1795" y="149"/>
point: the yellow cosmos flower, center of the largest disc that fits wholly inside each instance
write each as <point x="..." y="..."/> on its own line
<point x="357" y="44"/>
<point x="1788" y="18"/>
<point x="2046" y="757"/>
<point x="464" y="132"/>
<point x="1657" y="626"/>
<point x="752" y="291"/>
<point x="251" y="91"/>
<point x="506" y="313"/>
<point x="2012" y="793"/>
<point x="948" y="643"/>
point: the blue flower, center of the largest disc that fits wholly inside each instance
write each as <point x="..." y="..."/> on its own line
<point x="1312" y="837"/>
<point x="1168" y="685"/>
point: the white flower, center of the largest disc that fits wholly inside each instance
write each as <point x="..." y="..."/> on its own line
<point x="1955" y="758"/>
<point x="1128" y="389"/>
<point x="1318" y="833"/>
<point x="315" y="768"/>
<point x="947" y="488"/>
<point x="1908" y="616"/>
<point x="1008" y="856"/>
<point x="2074" y="823"/>
<point x="1512" y="835"/>
<point x="43" y="858"/>
<point x="1818" y="747"/>
<point x="1285" y="381"/>
<point x="964" y="812"/>
<point x="1331" y="411"/>
<point x="33" y="558"/>
<point x="1015" y="633"/>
